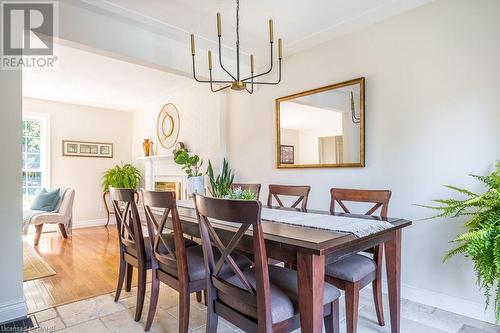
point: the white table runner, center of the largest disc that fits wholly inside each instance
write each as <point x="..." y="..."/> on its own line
<point x="356" y="226"/>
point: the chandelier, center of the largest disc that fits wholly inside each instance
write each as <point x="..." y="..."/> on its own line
<point x="238" y="82"/>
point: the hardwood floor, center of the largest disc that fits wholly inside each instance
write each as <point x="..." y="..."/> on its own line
<point x="86" y="265"/>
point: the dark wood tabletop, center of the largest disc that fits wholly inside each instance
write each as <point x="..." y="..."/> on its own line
<point x="310" y="249"/>
<point x="309" y="240"/>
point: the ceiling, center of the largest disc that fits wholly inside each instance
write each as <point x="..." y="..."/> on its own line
<point x="82" y="77"/>
<point x="89" y="78"/>
<point x="301" y="23"/>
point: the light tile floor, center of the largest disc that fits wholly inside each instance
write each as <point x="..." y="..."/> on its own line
<point x="102" y="314"/>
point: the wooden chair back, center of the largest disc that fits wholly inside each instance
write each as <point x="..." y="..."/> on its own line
<point x="162" y="252"/>
<point x="245" y="214"/>
<point x="378" y="197"/>
<point x="300" y="191"/>
<point x="128" y="221"/>
<point x="254" y="188"/>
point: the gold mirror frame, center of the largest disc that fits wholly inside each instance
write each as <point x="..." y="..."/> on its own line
<point x="173" y="132"/>
<point x="361" y="82"/>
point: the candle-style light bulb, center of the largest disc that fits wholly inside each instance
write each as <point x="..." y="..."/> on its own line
<point x="192" y="45"/>
<point x="280" y="49"/>
<point x="271" y="38"/>
<point x="251" y="63"/>
<point x="209" y="60"/>
<point x="219" y="25"/>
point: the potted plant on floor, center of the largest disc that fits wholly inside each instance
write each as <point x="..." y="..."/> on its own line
<point x="481" y="241"/>
<point x="125" y="176"/>
<point x="191" y="165"/>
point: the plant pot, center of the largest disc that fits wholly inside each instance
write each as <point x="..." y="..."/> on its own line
<point x="195" y="185"/>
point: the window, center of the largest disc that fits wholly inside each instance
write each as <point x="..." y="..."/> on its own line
<point x="35" y="156"/>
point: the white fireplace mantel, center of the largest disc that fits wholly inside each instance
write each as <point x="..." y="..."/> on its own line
<point x="162" y="168"/>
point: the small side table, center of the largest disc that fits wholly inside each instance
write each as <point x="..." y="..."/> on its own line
<point x="109" y="212"/>
<point x="105" y="197"/>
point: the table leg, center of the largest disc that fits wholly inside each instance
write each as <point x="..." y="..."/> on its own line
<point x="311" y="279"/>
<point x="393" y="266"/>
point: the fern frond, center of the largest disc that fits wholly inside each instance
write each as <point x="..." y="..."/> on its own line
<point x="462" y="190"/>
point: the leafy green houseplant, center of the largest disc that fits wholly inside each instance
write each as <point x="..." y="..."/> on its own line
<point x="220" y="186"/>
<point x="191" y="164"/>
<point x="481" y="241"/>
<point x="125" y="176"/>
<point x="240" y="194"/>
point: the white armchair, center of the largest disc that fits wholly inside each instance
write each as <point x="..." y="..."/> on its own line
<point x="63" y="217"/>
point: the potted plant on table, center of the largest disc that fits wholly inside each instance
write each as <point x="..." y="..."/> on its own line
<point x="220" y="186"/>
<point x="481" y="241"/>
<point x="191" y="165"/>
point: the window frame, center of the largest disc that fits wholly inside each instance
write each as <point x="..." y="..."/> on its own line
<point x="45" y="154"/>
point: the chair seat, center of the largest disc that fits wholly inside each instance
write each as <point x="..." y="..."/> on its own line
<point x="196" y="263"/>
<point x="49" y="218"/>
<point x="353" y="268"/>
<point x="169" y="239"/>
<point x="284" y="293"/>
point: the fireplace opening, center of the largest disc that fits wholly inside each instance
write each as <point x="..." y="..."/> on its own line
<point x="169" y="186"/>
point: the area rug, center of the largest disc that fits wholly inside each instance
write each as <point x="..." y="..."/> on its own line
<point x="34" y="267"/>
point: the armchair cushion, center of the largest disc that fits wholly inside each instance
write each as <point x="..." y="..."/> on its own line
<point x="46" y="200"/>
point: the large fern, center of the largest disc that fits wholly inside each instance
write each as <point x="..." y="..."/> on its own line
<point x="126" y="176"/>
<point x="481" y="242"/>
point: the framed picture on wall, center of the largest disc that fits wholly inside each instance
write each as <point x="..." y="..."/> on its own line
<point x="287" y="154"/>
<point x="87" y="149"/>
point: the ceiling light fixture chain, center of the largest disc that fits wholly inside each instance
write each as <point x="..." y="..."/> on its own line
<point x="238" y="38"/>
<point x="237" y="83"/>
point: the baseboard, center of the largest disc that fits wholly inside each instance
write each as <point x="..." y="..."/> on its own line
<point x="446" y="302"/>
<point x="92" y="223"/>
<point x="13" y="310"/>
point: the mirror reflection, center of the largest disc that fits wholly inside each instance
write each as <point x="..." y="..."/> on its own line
<point x="322" y="127"/>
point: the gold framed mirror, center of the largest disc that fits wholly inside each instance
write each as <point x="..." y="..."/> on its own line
<point x="322" y="128"/>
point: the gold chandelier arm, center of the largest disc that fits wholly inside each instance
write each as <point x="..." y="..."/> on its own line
<point x="250" y="91"/>
<point x="220" y="59"/>
<point x="211" y="84"/>
<point x="263" y="73"/>
<point x="271" y="83"/>
<point x="219" y="89"/>
<point x="205" y="81"/>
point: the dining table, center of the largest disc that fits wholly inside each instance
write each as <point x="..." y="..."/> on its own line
<point x="310" y="249"/>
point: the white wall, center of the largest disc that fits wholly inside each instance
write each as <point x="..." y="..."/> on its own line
<point x="84" y="174"/>
<point x="201" y="114"/>
<point x="12" y="303"/>
<point x="432" y="117"/>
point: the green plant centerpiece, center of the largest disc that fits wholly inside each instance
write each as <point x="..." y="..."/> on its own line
<point x="239" y="194"/>
<point x="125" y="176"/>
<point x="191" y="164"/>
<point x="481" y="241"/>
<point x="220" y="185"/>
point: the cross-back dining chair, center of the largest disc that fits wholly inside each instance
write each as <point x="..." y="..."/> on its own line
<point x="254" y="188"/>
<point x="263" y="298"/>
<point x="132" y="245"/>
<point x="357" y="271"/>
<point x="300" y="191"/>
<point x="176" y="261"/>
